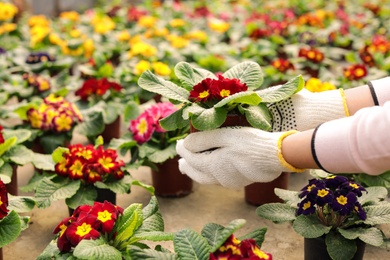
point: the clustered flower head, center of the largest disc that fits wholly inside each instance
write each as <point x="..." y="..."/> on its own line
<point x="333" y="200"/>
<point x="98" y="87"/>
<point x="147" y="123"/>
<point x="311" y="54"/>
<point x="1" y="134"/>
<point x="234" y="249"/>
<point x="3" y="200"/>
<point x="87" y="222"/>
<point x="54" y="114"/>
<point x="213" y="90"/>
<point x="282" y="65"/>
<point x="90" y="164"/>
<point x="355" y="72"/>
<point x="7" y="11"/>
<point x="34" y="58"/>
<point x="39" y="83"/>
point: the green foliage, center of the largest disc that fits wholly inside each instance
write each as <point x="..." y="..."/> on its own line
<point x="248" y="103"/>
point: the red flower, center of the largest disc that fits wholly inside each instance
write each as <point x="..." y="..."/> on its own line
<point x="82" y="228"/>
<point x="3" y="200"/>
<point x="1" y="135"/>
<point x="201" y="92"/>
<point x="62" y="241"/>
<point x="355" y="72"/>
<point x="142" y="128"/>
<point x="106" y="213"/>
<point x="282" y="65"/>
<point x="311" y="54"/>
<point x="97" y="87"/>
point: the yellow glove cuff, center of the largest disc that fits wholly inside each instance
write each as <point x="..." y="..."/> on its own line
<point x="280" y="155"/>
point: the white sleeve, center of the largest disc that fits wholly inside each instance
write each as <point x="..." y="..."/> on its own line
<point x="356" y="144"/>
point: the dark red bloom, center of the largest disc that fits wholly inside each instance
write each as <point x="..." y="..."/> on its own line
<point x="311" y="54"/>
<point x="355" y="72"/>
<point x="106" y="214"/>
<point x="282" y="65"/>
<point x="1" y="135"/>
<point x="3" y="200"/>
<point x="97" y="87"/>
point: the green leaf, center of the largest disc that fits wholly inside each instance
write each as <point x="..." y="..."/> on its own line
<point x="277" y="212"/>
<point x="373" y="194"/>
<point x="190" y="245"/>
<point x="248" y="72"/>
<point x="190" y="76"/>
<point x="43" y="161"/>
<point x="83" y="194"/>
<point x="20" y="204"/>
<point x="20" y="155"/>
<point x="310" y="226"/>
<point x="152" y="83"/>
<point x="258" y="235"/>
<point x="129" y="222"/>
<point x="245" y="98"/>
<point x="155" y="154"/>
<point x="174" y="121"/>
<point x="21" y="135"/>
<point x="340" y="248"/>
<point x="50" y="251"/>
<point x="208" y="119"/>
<point x="131" y="111"/>
<point x="377" y="214"/>
<point x="372" y="236"/>
<point x="121" y="186"/>
<point x="7" y="145"/>
<point x="92" y="124"/>
<point x="96" y="249"/>
<point x="278" y="93"/>
<point x="57" y="154"/>
<point x="290" y="197"/>
<point x="50" y="142"/>
<point x="257" y="116"/>
<point x="6" y="172"/>
<point x="10" y="228"/>
<point x="155" y="236"/>
<point x="379" y="180"/>
<point x="150" y="254"/>
<point x="216" y="236"/>
<point x="49" y="191"/>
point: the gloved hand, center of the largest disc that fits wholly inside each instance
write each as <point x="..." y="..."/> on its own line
<point x="306" y="110"/>
<point x="233" y="157"/>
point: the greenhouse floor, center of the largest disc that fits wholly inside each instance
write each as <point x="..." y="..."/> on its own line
<point x="205" y="204"/>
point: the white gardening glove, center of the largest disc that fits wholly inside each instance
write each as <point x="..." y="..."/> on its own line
<point x="233" y="157"/>
<point x="306" y="110"/>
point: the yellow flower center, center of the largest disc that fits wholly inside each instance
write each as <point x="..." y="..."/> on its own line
<point x="204" y="94"/>
<point x="104" y="216"/>
<point x="142" y="126"/>
<point x="224" y="93"/>
<point x="306" y="205"/>
<point x="83" y="229"/>
<point x="342" y="200"/>
<point x="322" y="193"/>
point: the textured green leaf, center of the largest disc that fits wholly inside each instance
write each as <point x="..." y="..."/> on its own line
<point x="129" y="222"/>
<point x="7" y="145"/>
<point x="152" y="83"/>
<point x="277" y="212"/>
<point x="121" y="186"/>
<point x="20" y="155"/>
<point x="21" y="204"/>
<point x="6" y="172"/>
<point x="210" y="118"/>
<point x="373" y="194"/>
<point x="309" y="226"/>
<point x="190" y="245"/>
<point x="57" y="154"/>
<point x="43" y="161"/>
<point x="257" y="116"/>
<point x="281" y="92"/>
<point x="50" y="142"/>
<point x="92" y="125"/>
<point x="174" y="121"/>
<point x="96" y="249"/>
<point x="290" y="197"/>
<point x="372" y="236"/>
<point x="190" y="76"/>
<point x="377" y="214"/>
<point x="50" y="251"/>
<point x="150" y="254"/>
<point x="248" y="72"/>
<point x="10" y="228"/>
<point x="245" y="98"/>
<point x="22" y="135"/>
<point x="258" y="235"/>
<point x="221" y="235"/>
<point x="81" y="195"/>
<point x="49" y="191"/>
<point x="340" y="248"/>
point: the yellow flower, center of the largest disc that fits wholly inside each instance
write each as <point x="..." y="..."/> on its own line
<point x="40" y="20"/>
<point x="7" y="11"/>
<point x="7" y="27"/>
<point x="177" y="41"/>
<point x="177" y="22"/>
<point x="316" y="85"/>
<point x="218" y="25"/>
<point x="71" y="15"/>
<point x="196" y="35"/>
<point x="143" y="49"/>
<point x="38" y="33"/>
<point x="141" y="66"/>
<point x="147" y="21"/>
<point x="123" y="36"/>
<point x="89" y="48"/>
<point x="103" y="25"/>
<point x="55" y="39"/>
<point x="159" y="32"/>
<point x="161" y="68"/>
<point x="74" y="33"/>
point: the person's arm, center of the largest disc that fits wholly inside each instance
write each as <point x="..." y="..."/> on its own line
<point x="357" y="144"/>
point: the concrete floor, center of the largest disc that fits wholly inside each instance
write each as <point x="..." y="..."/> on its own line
<point x="205" y="204"/>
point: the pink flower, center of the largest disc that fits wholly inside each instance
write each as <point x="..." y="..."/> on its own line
<point x="142" y="128"/>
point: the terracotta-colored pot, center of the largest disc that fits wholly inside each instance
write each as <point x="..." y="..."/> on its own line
<point x="168" y="181"/>
<point x="262" y="193"/>
<point x="112" y="130"/>
<point x="12" y="187"/>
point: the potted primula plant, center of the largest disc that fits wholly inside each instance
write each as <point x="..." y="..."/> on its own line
<point x="82" y="174"/>
<point x="51" y="122"/>
<point x="336" y="216"/>
<point x="112" y="232"/>
<point x="152" y="146"/>
<point x="11" y="223"/>
<point x="207" y="99"/>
